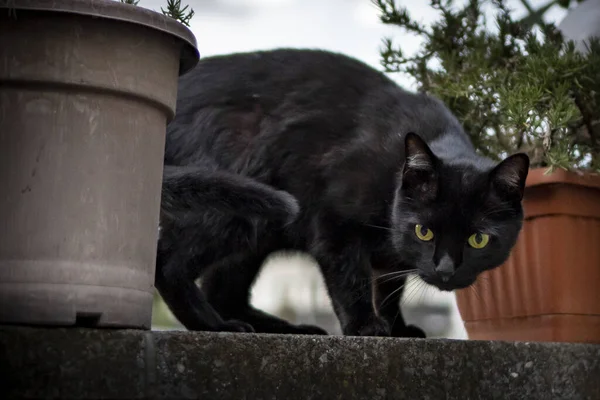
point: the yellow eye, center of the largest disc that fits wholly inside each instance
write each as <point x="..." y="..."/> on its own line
<point x="423" y="233"/>
<point x="478" y="240"/>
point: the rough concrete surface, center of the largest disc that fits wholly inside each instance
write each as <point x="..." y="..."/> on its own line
<point x="128" y="364"/>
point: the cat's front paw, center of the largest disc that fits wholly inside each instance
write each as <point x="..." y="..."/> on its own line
<point x="408" y="331"/>
<point x="373" y="327"/>
<point x="310" y="330"/>
<point x="234" y="326"/>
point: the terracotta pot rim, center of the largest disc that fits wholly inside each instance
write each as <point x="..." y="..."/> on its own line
<point x="538" y="177"/>
<point x="530" y="316"/>
<point x="117" y="11"/>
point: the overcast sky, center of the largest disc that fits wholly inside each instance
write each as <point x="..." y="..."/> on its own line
<point x="348" y="26"/>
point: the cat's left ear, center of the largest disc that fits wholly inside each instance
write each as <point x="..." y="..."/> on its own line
<point x="419" y="175"/>
<point x="510" y="175"/>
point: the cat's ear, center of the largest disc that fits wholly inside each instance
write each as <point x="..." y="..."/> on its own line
<point x="508" y="177"/>
<point x="419" y="175"/>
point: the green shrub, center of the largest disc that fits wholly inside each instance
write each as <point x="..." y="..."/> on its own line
<point x="516" y="88"/>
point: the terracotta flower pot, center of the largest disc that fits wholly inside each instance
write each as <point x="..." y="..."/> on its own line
<point x="549" y="289"/>
<point x="86" y="90"/>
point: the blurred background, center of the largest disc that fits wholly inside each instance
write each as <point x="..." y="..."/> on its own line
<point x="290" y="286"/>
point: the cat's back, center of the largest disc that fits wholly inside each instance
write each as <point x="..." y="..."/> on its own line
<point x="273" y="73"/>
<point x="226" y="101"/>
<point x="302" y="101"/>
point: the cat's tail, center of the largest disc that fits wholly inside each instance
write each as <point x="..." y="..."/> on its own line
<point x="195" y="190"/>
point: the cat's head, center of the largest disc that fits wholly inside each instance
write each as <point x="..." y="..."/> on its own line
<point x="453" y="221"/>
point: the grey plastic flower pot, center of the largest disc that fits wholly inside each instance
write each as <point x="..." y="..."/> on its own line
<point x="86" y="90"/>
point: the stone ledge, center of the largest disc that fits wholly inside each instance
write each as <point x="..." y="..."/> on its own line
<point x="85" y="363"/>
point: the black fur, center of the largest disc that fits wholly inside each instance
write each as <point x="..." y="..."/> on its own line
<point x="190" y="191"/>
<point x="336" y="133"/>
<point x="197" y="201"/>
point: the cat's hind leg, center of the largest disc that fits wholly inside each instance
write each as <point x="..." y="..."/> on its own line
<point x="185" y="299"/>
<point x="228" y="290"/>
<point x="210" y="218"/>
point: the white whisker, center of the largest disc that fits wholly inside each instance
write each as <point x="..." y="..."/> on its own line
<point x="378" y="227"/>
<point x="403" y="272"/>
<point x="390" y="295"/>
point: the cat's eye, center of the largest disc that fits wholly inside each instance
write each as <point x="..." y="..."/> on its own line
<point x="478" y="240"/>
<point x="423" y="233"/>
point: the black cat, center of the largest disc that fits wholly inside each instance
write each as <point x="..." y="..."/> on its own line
<point x="388" y="183"/>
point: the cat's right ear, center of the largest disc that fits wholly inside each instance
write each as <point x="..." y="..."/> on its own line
<point x="419" y="175"/>
<point x="508" y="178"/>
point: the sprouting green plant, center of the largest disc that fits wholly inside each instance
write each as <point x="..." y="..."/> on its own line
<point x="177" y="11"/>
<point x="174" y="10"/>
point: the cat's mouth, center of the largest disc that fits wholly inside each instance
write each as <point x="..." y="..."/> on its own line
<point x="452" y="284"/>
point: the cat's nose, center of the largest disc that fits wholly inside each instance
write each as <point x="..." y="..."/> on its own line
<point x="445" y="268"/>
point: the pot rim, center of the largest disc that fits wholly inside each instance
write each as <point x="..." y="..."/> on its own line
<point x="117" y="11"/>
<point x="538" y="177"/>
